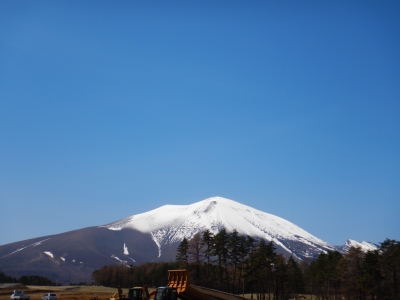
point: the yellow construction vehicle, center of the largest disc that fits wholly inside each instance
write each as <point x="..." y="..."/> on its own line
<point x="135" y="293"/>
<point x="138" y="293"/>
<point x="179" y="287"/>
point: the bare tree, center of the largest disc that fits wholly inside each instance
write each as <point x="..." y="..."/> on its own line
<point x="195" y="253"/>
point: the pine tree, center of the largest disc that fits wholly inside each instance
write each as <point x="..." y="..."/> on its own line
<point x="261" y="268"/>
<point x="220" y="251"/>
<point x="295" y="278"/>
<point x="248" y="265"/>
<point x="183" y="254"/>
<point x="323" y="274"/>
<point x="351" y="273"/>
<point x="243" y="254"/>
<point x="280" y="278"/>
<point x="390" y="266"/>
<point x="234" y="255"/>
<point x="208" y="238"/>
<point x="372" y="275"/>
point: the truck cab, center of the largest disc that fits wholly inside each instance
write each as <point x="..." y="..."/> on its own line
<point x="138" y="293"/>
<point x="166" y="293"/>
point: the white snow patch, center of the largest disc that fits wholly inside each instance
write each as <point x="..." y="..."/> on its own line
<point x="157" y="243"/>
<point x="113" y="228"/>
<point x="126" y="250"/>
<point x="49" y="254"/>
<point x="63" y="259"/>
<point x="132" y="259"/>
<point x="117" y="258"/>
<point x="31" y="245"/>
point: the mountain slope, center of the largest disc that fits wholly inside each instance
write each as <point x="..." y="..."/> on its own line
<point x="73" y="256"/>
<point x="169" y="224"/>
<point x="152" y="236"/>
<point x="365" y="246"/>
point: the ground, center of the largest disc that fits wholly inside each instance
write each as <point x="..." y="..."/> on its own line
<point x="74" y="292"/>
<point x="66" y="292"/>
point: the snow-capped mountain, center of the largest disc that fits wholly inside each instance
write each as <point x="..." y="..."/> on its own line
<point x="152" y="236"/>
<point x="169" y="224"/>
<point x="365" y="246"/>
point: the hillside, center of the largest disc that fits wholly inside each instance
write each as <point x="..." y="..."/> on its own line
<point x="148" y="237"/>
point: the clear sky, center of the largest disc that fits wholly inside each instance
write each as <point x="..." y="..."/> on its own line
<point x="114" y="108"/>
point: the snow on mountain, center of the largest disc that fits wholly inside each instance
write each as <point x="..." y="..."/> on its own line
<point x="154" y="236"/>
<point x="49" y="254"/>
<point x="32" y="245"/>
<point x="171" y="223"/>
<point x="365" y="246"/>
<point x="126" y="252"/>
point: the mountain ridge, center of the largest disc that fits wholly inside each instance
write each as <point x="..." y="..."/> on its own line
<point x="364" y="246"/>
<point x="213" y="214"/>
<point x="152" y="236"/>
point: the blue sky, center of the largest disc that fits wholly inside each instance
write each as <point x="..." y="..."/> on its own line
<point x="114" y="108"/>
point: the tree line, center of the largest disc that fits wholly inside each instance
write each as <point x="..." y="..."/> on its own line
<point x="239" y="264"/>
<point x="28" y="280"/>
<point x="150" y="274"/>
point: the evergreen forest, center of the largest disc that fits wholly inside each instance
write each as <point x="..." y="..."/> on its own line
<point x="28" y="280"/>
<point x="233" y="263"/>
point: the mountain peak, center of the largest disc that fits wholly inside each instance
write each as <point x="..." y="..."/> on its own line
<point x="365" y="246"/>
<point x="155" y="235"/>
<point x="169" y="224"/>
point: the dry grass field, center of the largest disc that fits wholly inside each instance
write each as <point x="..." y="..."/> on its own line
<point x="79" y="292"/>
<point x="66" y="292"/>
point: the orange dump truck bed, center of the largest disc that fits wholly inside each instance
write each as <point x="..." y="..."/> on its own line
<point x="179" y="279"/>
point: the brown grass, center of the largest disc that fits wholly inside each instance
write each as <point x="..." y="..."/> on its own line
<point x="66" y="292"/>
<point x="77" y="292"/>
